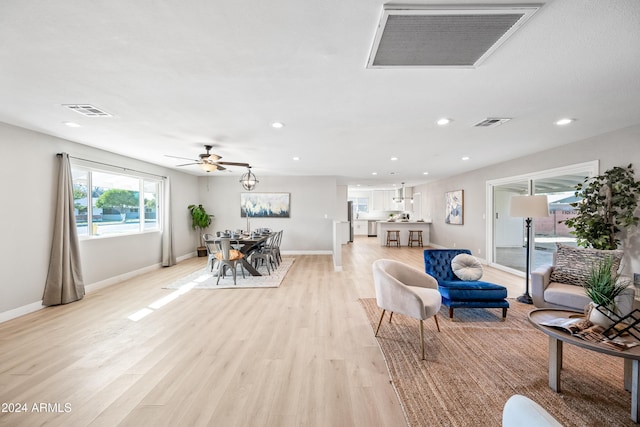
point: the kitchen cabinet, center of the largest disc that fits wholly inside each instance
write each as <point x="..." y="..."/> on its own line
<point x="383" y="200"/>
<point x="360" y="227"/>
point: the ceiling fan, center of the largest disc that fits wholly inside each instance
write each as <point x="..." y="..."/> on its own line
<point x="209" y="162"/>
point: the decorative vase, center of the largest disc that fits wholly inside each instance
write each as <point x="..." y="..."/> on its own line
<point x="597" y="317"/>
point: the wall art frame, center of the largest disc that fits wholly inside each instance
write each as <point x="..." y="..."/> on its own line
<point x="265" y="205"/>
<point x="454" y="207"/>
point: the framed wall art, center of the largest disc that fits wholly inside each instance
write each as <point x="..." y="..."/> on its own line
<point x="265" y="205"/>
<point x="454" y="207"/>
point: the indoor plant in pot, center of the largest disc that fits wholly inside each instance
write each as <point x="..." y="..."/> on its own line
<point x="607" y="206"/>
<point x="200" y="220"/>
<point x="602" y="286"/>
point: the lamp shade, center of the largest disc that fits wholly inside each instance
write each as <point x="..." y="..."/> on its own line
<point x="529" y="206"/>
<point x="208" y="167"/>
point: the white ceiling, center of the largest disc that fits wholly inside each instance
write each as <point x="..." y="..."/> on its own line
<point x="178" y="74"/>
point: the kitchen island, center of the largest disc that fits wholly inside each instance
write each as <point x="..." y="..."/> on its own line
<point x="404" y="227"/>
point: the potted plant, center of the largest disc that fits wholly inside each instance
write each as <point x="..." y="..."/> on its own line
<point x="602" y="286"/>
<point x="608" y="205"/>
<point x="200" y="220"/>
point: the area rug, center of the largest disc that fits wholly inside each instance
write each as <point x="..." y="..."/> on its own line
<point x="205" y="279"/>
<point x="478" y="361"/>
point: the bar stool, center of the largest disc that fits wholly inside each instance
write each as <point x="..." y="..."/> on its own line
<point x="415" y="236"/>
<point x="393" y="236"/>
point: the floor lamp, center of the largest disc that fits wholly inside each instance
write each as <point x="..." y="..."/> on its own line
<point x="528" y="207"/>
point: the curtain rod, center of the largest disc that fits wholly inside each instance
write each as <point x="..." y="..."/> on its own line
<point x="113" y="166"/>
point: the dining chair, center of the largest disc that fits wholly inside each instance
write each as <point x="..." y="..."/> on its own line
<point x="228" y="258"/>
<point x="212" y="249"/>
<point x="265" y="255"/>
<point x="403" y="289"/>
<point x="276" y="247"/>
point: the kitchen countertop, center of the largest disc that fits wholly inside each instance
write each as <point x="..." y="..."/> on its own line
<point x="403" y="227"/>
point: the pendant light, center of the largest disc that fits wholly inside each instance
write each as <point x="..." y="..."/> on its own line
<point x="249" y="180"/>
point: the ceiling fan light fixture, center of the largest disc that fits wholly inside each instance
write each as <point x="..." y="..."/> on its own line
<point x="207" y="167"/>
<point x="249" y="180"/>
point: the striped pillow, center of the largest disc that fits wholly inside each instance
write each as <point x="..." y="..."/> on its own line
<point x="573" y="264"/>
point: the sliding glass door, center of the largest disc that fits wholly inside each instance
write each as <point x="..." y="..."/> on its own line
<point x="507" y="235"/>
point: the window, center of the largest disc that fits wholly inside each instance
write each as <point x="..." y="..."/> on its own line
<point x="108" y="203"/>
<point x="360" y="205"/>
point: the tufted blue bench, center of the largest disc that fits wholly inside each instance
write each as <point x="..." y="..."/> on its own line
<point x="458" y="293"/>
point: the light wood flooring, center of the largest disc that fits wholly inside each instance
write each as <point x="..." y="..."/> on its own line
<point x="299" y="355"/>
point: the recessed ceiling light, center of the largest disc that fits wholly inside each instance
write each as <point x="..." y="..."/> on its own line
<point x="443" y="121"/>
<point x="277" y="125"/>
<point x="374" y="173"/>
<point x="72" y="124"/>
<point x="563" y="122"/>
<point x="394" y="159"/>
<point x="296" y="158"/>
<point x="425" y="173"/>
<point x="466" y="158"/>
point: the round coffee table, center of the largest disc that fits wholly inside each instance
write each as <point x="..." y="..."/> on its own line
<point x="557" y="337"/>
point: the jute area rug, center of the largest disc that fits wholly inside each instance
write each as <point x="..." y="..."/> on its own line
<point x="205" y="279"/>
<point x="477" y="362"/>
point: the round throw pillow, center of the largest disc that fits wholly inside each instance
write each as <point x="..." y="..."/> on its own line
<point x="466" y="267"/>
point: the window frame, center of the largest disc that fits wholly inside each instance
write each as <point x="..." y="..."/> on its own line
<point x="89" y="167"/>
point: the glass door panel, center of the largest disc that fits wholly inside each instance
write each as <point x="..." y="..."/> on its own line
<point x="548" y="232"/>
<point x="509" y="235"/>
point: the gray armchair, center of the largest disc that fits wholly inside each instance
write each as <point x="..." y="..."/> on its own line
<point x="403" y="289"/>
<point x="547" y="293"/>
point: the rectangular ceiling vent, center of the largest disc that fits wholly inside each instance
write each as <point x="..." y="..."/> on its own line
<point x="87" y="110"/>
<point x="443" y="36"/>
<point x="491" y="122"/>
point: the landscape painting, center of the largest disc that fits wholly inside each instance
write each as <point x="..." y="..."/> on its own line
<point x="454" y="207"/>
<point x="264" y="205"/>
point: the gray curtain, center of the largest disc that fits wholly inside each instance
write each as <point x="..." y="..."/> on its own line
<point x="64" y="279"/>
<point x="168" y="257"/>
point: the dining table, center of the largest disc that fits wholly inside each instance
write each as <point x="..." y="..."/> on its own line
<point x="247" y="244"/>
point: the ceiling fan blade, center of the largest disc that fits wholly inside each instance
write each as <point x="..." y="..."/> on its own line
<point x="187" y="164"/>
<point x="220" y="168"/>
<point x="176" y="157"/>
<point x="246" y="165"/>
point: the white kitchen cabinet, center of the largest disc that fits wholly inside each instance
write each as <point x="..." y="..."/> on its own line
<point x="360" y="227"/>
<point x="383" y="200"/>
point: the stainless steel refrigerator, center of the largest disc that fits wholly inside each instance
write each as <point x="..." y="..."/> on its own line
<point x="350" y="220"/>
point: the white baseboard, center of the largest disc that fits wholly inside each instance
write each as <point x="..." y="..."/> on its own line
<point x="120" y="278"/>
<point x="20" y="311"/>
<point x="93" y="287"/>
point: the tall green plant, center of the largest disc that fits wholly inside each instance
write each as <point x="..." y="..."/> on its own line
<point x="200" y="219"/>
<point x="608" y="205"/>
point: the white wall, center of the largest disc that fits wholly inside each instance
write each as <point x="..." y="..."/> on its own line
<point x="313" y="209"/>
<point x="612" y="149"/>
<point x="28" y="176"/>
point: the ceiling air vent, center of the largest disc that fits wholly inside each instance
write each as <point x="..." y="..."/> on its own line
<point x="87" y="110"/>
<point x="491" y="122"/>
<point x="443" y="36"/>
